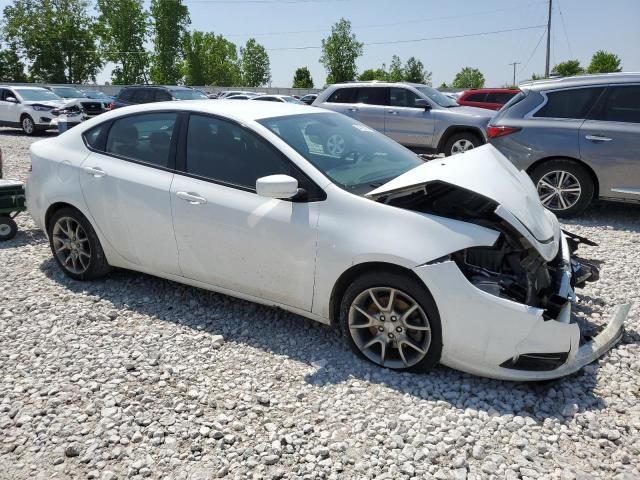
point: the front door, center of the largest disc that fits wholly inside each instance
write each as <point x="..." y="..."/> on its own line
<point x="126" y="182"/>
<point x="609" y="142"/>
<point x="230" y="237"/>
<point x="407" y="124"/>
<point x="9" y="111"/>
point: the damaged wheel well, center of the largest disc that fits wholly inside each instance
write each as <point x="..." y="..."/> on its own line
<point x="354" y="272"/>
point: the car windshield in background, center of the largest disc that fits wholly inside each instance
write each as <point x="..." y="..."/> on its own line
<point x="67" y="92"/>
<point x="291" y="100"/>
<point x="33" y="95"/>
<point x="188" y="95"/>
<point x="96" y="95"/>
<point x="352" y="155"/>
<point x="437" y="96"/>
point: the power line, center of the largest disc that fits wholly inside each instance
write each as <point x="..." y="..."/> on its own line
<point x="534" y="50"/>
<point x="415" y="40"/>
<point x="564" y="27"/>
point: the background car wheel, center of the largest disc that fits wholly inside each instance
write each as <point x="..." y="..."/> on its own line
<point x="75" y="245"/>
<point x="564" y="186"/>
<point x="8" y="228"/>
<point x="28" y="125"/>
<point x="461" y="142"/>
<point x="392" y="320"/>
<point x="335" y="145"/>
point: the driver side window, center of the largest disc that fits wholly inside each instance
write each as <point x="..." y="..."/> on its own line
<point x="401" y="97"/>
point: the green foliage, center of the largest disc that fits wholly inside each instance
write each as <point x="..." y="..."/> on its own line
<point x="468" y="78"/>
<point x="123" y="26"/>
<point x="210" y="59"/>
<point x="396" y="72"/>
<point x="568" y="68"/>
<point x="535" y="76"/>
<point x="414" y="72"/>
<point x="11" y="68"/>
<point x="58" y="37"/>
<point x="340" y="50"/>
<point x="302" y="78"/>
<point x="170" y="19"/>
<point x="374" y="74"/>
<point x="256" y="70"/>
<point x="443" y="85"/>
<point x="604" y="62"/>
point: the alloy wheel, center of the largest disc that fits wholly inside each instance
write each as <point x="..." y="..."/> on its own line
<point x="27" y="125"/>
<point x="336" y="145"/>
<point x="559" y="190"/>
<point x="71" y="245"/>
<point x="389" y="327"/>
<point x="461" y="146"/>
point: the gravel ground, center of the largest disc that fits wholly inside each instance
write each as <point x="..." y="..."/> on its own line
<point x="135" y="376"/>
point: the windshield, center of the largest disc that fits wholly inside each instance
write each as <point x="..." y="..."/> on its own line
<point x="352" y="155"/>
<point x="291" y="100"/>
<point x="37" y="95"/>
<point x="188" y="95"/>
<point x="95" y="95"/>
<point x="437" y="96"/>
<point x="67" y="92"/>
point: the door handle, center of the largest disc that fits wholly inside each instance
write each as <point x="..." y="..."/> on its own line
<point x="353" y="109"/>
<point x="192" y="198"/>
<point x="392" y="112"/>
<point x="597" y="138"/>
<point x="95" y="171"/>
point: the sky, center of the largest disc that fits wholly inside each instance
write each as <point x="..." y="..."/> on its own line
<point x="579" y="28"/>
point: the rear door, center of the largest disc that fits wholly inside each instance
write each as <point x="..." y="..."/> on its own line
<point x="609" y="142"/>
<point x="405" y="123"/>
<point x="126" y="182"/>
<point x="342" y="100"/>
<point x="371" y="104"/>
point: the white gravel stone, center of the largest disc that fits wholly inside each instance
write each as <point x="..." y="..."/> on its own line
<point x="146" y="378"/>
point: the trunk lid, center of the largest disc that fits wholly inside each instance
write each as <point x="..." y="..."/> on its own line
<point x="487" y="172"/>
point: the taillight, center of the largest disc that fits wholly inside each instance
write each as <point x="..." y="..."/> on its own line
<point x="495" y="132"/>
<point x="111" y="106"/>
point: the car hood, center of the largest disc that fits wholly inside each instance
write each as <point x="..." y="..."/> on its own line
<point x="48" y="103"/>
<point x="488" y="173"/>
<point x="474" y="111"/>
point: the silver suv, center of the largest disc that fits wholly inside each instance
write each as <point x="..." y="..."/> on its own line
<point x="414" y="115"/>
<point x="577" y="137"/>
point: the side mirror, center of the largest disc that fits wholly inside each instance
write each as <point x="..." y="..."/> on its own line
<point x="277" y="186"/>
<point x="422" y="103"/>
<point x="11" y="100"/>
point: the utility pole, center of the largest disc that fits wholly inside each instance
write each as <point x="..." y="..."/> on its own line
<point x="546" y="68"/>
<point x="514" y="72"/>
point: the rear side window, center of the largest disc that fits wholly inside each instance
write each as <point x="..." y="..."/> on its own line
<point x="144" y="138"/>
<point x="499" y="97"/>
<point x="144" y="95"/>
<point x="476" y="97"/>
<point x="343" y="95"/>
<point x="574" y="103"/>
<point x="622" y="104"/>
<point x="126" y="95"/>
<point x="161" y="96"/>
<point x="373" y="96"/>
<point x="94" y="138"/>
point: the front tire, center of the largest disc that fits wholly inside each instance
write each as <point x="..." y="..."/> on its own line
<point x="29" y="126"/>
<point x="461" y="142"/>
<point x="75" y="245"/>
<point x="565" y="187"/>
<point x="392" y="320"/>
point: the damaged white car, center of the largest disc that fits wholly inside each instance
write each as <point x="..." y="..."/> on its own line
<point x="454" y="261"/>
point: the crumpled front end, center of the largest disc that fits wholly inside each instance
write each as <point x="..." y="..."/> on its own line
<point x="515" y="326"/>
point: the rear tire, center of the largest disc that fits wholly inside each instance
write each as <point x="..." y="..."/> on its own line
<point x="461" y="142"/>
<point x="564" y="186"/>
<point x="8" y="228"/>
<point x="75" y="245"/>
<point x="405" y="334"/>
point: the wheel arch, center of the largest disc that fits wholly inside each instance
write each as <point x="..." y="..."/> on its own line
<point x="57" y="206"/>
<point x="454" y="129"/>
<point x="349" y="275"/>
<point x="587" y="167"/>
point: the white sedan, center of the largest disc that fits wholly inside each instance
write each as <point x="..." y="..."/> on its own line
<point x="453" y="261"/>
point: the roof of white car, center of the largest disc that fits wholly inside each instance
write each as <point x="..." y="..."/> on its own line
<point x="22" y="87"/>
<point x="238" y="109"/>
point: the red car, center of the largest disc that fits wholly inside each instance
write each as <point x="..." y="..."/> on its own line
<point x="491" y="98"/>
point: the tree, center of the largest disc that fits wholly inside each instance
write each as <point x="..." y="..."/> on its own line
<point x="170" y="19"/>
<point x="11" y="68"/>
<point x="468" y="78"/>
<point x="396" y="72"/>
<point x="340" y="50"/>
<point x="443" y="85"/>
<point x="210" y="59"/>
<point x="374" y="74"/>
<point x="604" y="62"/>
<point x="123" y="27"/>
<point x="414" y="72"/>
<point x="302" y="78"/>
<point x="568" y="68"/>
<point x="256" y="70"/>
<point x="58" y="38"/>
